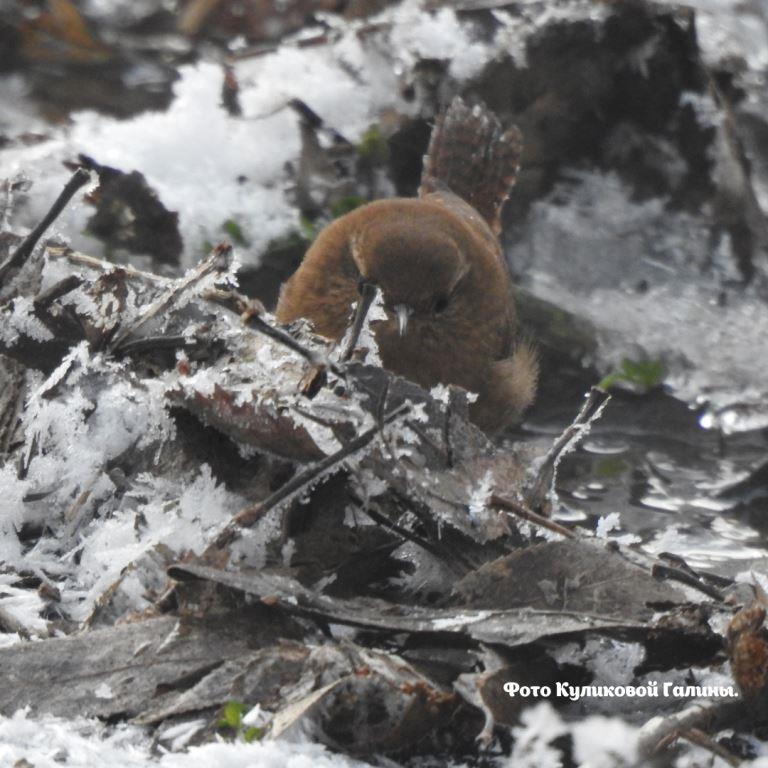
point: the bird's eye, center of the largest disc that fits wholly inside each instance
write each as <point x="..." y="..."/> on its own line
<point x="361" y="283"/>
<point x="441" y="304"/>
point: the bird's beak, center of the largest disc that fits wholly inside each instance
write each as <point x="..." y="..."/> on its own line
<point x="402" y="312"/>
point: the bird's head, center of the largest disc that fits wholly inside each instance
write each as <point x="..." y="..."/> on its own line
<point x="418" y="269"/>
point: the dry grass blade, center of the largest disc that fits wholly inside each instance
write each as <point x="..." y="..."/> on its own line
<point x="520" y="510"/>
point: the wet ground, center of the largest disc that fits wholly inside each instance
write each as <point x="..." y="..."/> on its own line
<point x="678" y="487"/>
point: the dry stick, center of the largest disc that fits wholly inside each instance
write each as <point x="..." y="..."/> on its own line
<point x="660" y="571"/>
<point x="537" y="492"/>
<point x="416" y="507"/>
<point x="657" y="734"/>
<point x="62" y="288"/>
<point x="155" y="343"/>
<point x="249" y="516"/>
<point x="712" y="579"/>
<point x="425" y="437"/>
<point x="214" y="261"/>
<point x="367" y="295"/>
<point x="79" y="179"/>
<point x="83" y="260"/>
<point x="328" y="423"/>
<point x="382" y="520"/>
<point x="701" y="739"/>
<point x="250" y="313"/>
<point x="520" y="510"/>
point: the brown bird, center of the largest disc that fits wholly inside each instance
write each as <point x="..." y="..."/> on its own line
<point x="438" y="263"/>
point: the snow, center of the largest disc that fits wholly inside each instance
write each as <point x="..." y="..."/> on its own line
<point x="50" y="742"/>
<point x="663" y="248"/>
<point x="439" y="35"/>
<point x="195" y="145"/>
<point x="598" y="742"/>
<point x="606" y="524"/>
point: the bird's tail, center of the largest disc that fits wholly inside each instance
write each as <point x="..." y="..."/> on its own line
<point x="473" y="157"/>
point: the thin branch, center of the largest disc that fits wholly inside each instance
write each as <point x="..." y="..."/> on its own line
<point x="155" y="343"/>
<point x="522" y="511"/>
<point x="249" y="516"/>
<point x="215" y="260"/>
<point x="79" y="179"/>
<point x="83" y="260"/>
<point x="660" y="571"/>
<point x="712" y="579"/>
<point x="250" y="313"/>
<point x="62" y="288"/>
<point x="367" y="295"/>
<point x="424" y="437"/>
<point x="425" y="515"/>
<point x="537" y="491"/>
<point x="381" y="519"/>
<point x="701" y="739"/>
<point x="657" y="734"/>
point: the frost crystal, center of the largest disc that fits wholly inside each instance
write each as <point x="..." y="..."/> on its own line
<point x="478" y="500"/>
<point x="608" y="523"/>
<point x="23" y="322"/>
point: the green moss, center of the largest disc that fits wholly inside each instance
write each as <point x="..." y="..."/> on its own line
<point x="346" y="204"/>
<point x="309" y="229"/>
<point x="610" y="467"/>
<point x="641" y="374"/>
<point x="373" y="146"/>
<point x="235" y="232"/>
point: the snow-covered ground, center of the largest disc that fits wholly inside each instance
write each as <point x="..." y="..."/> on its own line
<point x="50" y="742"/>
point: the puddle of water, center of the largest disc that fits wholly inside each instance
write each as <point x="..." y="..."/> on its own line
<point x="650" y="460"/>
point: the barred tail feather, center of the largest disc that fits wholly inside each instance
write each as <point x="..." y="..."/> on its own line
<point x="472" y="156"/>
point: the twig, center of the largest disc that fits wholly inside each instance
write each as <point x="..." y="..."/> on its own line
<point x="425" y="515"/>
<point x="249" y="516"/>
<point x="538" y="490"/>
<point x="153" y="343"/>
<point x="214" y="261"/>
<point x="660" y="571"/>
<point x="79" y="179"/>
<point x="657" y="734"/>
<point x="712" y="579"/>
<point x="367" y="295"/>
<point x="317" y="419"/>
<point x="62" y="288"/>
<point x="250" y="313"/>
<point x="83" y="260"/>
<point x="425" y="437"/>
<point x="522" y="511"/>
<point x="700" y="739"/>
<point x="382" y="520"/>
<point x="449" y="408"/>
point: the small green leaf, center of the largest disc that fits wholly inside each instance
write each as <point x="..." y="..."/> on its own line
<point x="232" y="716"/>
<point x="346" y="204"/>
<point x="252" y="734"/>
<point x="641" y="374"/>
<point x="308" y="228"/>
<point x="373" y="146"/>
<point x="234" y="230"/>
